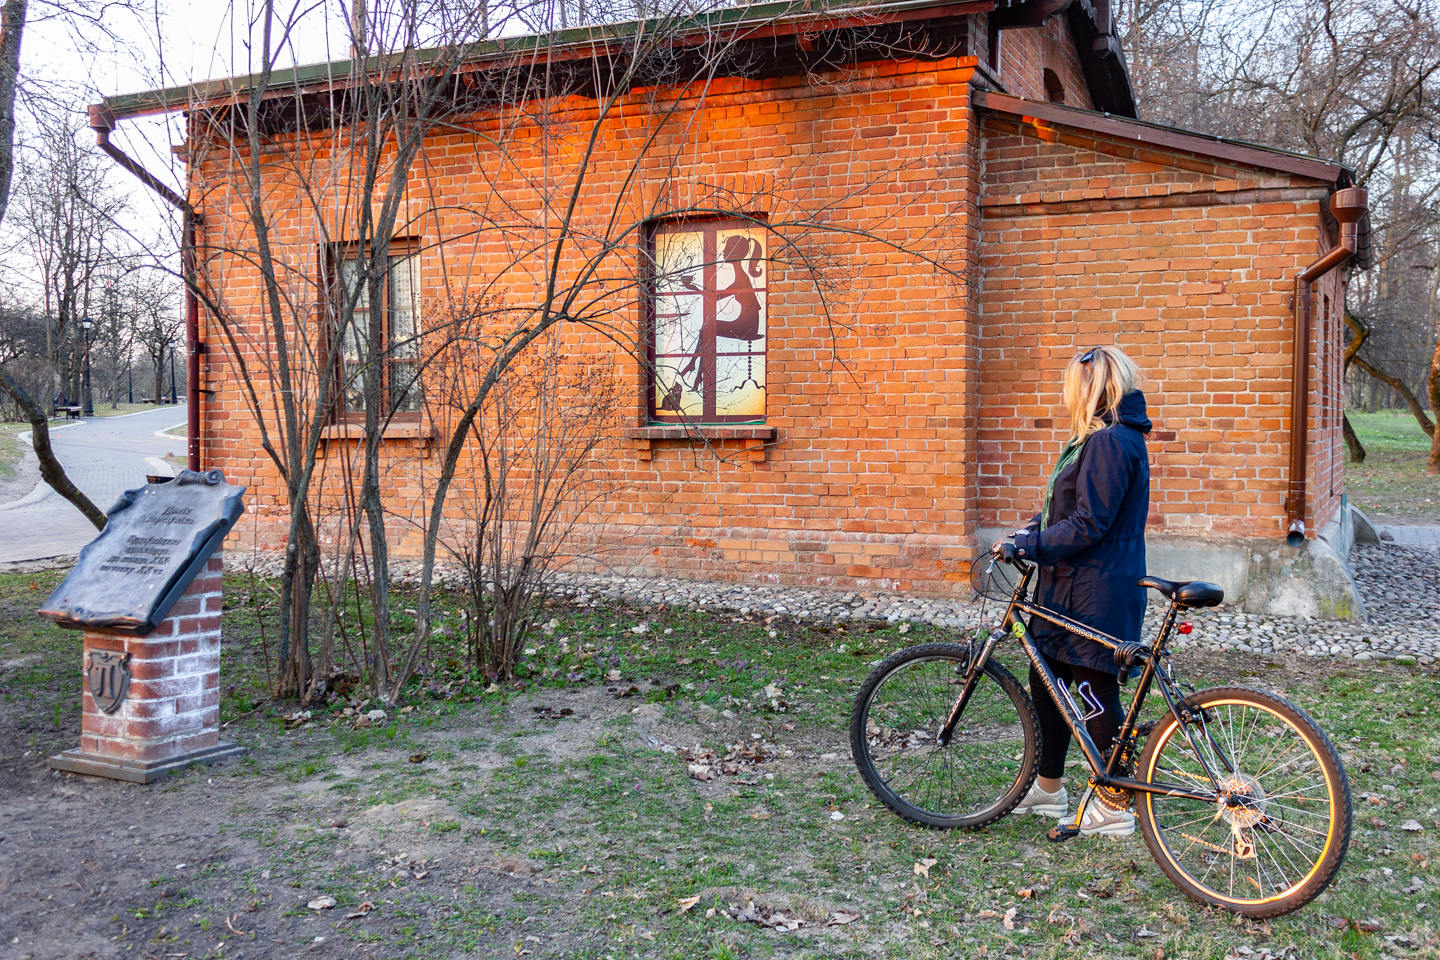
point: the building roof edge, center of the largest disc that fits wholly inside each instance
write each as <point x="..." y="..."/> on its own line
<point x="1156" y="134"/>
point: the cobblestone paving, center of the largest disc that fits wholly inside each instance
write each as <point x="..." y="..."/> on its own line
<point x="1400" y="584"/>
<point x="1415" y="535"/>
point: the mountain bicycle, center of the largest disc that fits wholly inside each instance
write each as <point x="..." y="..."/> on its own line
<point x="1242" y="799"/>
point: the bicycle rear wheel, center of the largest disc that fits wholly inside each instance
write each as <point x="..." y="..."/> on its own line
<point x="989" y="762"/>
<point x="1277" y="830"/>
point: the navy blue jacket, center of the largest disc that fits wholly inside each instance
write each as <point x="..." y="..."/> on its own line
<point x="1093" y="549"/>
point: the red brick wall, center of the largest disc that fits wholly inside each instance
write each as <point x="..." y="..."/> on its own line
<point x="867" y="479"/>
<point x="883" y="463"/>
<point x="1027" y="52"/>
<point x="1187" y="264"/>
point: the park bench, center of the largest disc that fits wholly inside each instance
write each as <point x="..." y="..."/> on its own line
<point x="71" y="410"/>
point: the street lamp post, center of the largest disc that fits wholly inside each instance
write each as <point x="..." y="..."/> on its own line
<point x="172" y="376"/>
<point x="88" y="400"/>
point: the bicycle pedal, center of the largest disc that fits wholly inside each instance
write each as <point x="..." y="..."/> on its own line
<point x="1062" y="832"/>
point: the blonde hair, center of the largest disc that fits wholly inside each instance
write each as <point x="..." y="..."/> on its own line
<point x="1093" y="388"/>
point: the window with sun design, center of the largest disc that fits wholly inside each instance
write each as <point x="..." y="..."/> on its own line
<point x="708" y="322"/>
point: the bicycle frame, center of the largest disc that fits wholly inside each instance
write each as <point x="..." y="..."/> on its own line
<point x="1104" y="770"/>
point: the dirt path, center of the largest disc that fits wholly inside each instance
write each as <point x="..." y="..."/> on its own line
<point x="222" y="862"/>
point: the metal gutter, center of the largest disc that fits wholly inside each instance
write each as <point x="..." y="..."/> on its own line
<point x="102" y="121"/>
<point x="1349" y="209"/>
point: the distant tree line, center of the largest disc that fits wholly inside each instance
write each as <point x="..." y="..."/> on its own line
<point x="81" y="286"/>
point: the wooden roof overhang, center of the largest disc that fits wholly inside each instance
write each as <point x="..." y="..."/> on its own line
<point x="764" y="39"/>
<point x="783" y="27"/>
<point x="1334" y="175"/>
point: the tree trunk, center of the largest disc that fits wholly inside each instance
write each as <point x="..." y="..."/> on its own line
<point x="370" y="501"/>
<point x="1398" y="385"/>
<point x="1357" y="449"/>
<point x="50" y="469"/>
<point x="12" y="28"/>
<point x="1361" y="334"/>
<point x="302" y="560"/>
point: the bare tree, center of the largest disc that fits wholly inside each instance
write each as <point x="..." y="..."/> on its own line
<point x="338" y="354"/>
<point x="535" y="448"/>
<point x="13" y="16"/>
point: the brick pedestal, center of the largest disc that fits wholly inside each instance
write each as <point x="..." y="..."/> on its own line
<point x="170" y="715"/>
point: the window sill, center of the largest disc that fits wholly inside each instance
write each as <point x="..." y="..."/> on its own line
<point x="420" y="434"/>
<point x="749" y="440"/>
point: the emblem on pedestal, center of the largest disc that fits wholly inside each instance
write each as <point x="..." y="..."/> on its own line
<point x="108" y="673"/>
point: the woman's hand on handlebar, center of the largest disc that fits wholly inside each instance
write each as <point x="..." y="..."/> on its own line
<point x="1004" y="550"/>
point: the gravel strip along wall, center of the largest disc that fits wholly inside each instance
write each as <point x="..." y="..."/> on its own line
<point x="1399" y="584"/>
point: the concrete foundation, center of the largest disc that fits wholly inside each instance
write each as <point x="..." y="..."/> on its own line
<point x="1263" y="576"/>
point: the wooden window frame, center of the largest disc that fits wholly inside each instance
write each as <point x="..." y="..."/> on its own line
<point x="336" y="257"/>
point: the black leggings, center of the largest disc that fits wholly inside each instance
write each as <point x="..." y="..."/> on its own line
<point x="1054" y="733"/>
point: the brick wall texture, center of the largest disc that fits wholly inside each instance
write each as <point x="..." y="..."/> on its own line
<point x="910" y="405"/>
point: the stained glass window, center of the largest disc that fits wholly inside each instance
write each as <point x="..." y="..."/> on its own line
<point x="708" y="322"/>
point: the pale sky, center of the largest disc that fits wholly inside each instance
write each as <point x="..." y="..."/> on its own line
<point x="73" y="62"/>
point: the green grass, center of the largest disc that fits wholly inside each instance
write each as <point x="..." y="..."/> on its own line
<point x="586" y="832"/>
<point x="121" y="409"/>
<point x="12" y="450"/>
<point x="1391" y="485"/>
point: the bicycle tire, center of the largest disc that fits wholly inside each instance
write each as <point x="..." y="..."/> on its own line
<point x="1281" y="845"/>
<point x="987" y="766"/>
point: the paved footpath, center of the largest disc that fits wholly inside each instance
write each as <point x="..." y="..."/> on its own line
<point x="1413" y="536"/>
<point x="104" y="456"/>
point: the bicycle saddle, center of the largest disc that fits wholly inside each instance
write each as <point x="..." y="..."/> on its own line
<point x="1186" y="593"/>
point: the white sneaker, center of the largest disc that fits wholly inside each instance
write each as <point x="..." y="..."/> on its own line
<point x="1100" y="819"/>
<point x="1044" y="804"/>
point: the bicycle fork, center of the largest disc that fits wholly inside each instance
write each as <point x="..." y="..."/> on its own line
<point x="967" y="688"/>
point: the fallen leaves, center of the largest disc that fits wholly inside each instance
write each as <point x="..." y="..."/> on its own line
<point x="322" y="903"/>
<point x="739" y="760"/>
<point x="686" y="904"/>
<point x="922" y="867"/>
<point x="361" y="911"/>
<point x="1264" y="953"/>
<point x="764" y="917"/>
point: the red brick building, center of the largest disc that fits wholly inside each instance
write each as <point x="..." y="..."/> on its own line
<point x="986" y="207"/>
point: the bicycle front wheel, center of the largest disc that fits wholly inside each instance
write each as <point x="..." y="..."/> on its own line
<point x="987" y="765"/>
<point x="1278" y="826"/>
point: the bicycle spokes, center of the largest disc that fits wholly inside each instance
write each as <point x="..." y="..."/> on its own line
<point x="1269" y="834"/>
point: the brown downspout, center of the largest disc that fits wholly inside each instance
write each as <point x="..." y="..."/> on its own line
<point x="1349" y="208"/>
<point x="102" y="121"/>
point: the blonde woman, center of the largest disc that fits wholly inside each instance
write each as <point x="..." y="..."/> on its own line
<point x="1089" y="540"/>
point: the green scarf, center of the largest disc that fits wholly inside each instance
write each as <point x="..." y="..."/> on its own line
<point x="1067" y="456"/>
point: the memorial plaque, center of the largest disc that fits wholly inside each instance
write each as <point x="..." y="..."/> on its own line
<point x="155" y="541"/>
